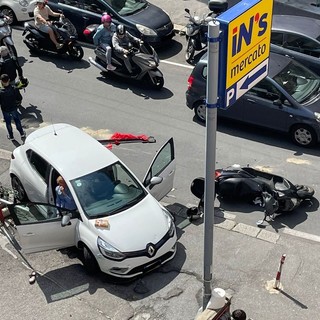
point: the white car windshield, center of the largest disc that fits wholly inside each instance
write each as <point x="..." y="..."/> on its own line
<point x="107" y="191"/>
<point x="299" y="82"/>
<point x="127" y="7"/>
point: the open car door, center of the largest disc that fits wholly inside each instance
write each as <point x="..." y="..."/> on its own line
<point x="40" y="227"/>
<point x="159" y="177"/>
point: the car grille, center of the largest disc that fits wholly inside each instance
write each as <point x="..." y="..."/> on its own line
<point x="144" y="252"/>
<point x="152" y="265"/>
<point x="165" y="30"/>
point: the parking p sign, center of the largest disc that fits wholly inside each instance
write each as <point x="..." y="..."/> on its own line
<point x="244" y="49"/>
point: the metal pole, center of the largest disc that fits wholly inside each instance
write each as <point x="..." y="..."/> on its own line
<point x="211" y="132"/>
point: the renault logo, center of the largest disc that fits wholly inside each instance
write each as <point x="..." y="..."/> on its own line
<point x="151" y="250"/>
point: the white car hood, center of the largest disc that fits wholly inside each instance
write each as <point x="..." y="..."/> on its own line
<point x="134" y="228"/>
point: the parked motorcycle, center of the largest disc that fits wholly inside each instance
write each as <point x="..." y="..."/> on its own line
<point x="6" y="35"/>
<point x="275" y="193"/>
<point x="37" y="40"/>
<point x="144" y="60"/>
<point x="196" y="34"/>
<point x="197" y="28"/>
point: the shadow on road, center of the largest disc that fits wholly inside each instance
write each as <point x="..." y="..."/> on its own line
<point x="264" y="136"/>
<point x="72" y="280"/>
<point x="139" y="88"/>
<point x="63" y="62"/>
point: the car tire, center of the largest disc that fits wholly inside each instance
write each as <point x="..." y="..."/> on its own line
<point x="200" y="109"/>
<point x="19" y="191"/>
<point x="10" y="13"/>
<point x="303" y="135"/>
<point x="89" y="261"/>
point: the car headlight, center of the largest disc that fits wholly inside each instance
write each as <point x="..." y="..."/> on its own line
<point x="170" y="221"/>
<point x="23" y="3"/>
<point x="108" y="251"/>
<point x="145" y="30"/>
<point x="317" y="116"/>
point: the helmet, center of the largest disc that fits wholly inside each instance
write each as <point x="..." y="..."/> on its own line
<point x="106" y="18"/>
<point x="121" y="29"/>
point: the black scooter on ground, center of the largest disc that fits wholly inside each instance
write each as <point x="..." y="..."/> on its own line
<point x="275" y="193"/>
<point x="66" y="34"/>
<point x="144" y="61"/>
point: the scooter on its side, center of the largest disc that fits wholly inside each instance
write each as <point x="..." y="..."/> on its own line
<point x="38" y="41"/>
<point x="275" y="193"/>
<point x="144" y="60"/>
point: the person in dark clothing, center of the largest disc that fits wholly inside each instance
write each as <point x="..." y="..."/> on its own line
<point x="9" y="97"/>
<point x="10" y="66"/>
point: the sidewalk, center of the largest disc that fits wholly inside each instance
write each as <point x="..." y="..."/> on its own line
<point x="175" y="9"/>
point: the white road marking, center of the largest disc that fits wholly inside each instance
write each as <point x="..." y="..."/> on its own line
<point x="177" y="64"/>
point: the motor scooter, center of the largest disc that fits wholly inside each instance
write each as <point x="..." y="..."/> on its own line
<point x="6" y="35"/>
<point x="197" y="28"/>
<point x="275" y="193"/>
<point x="144" y="60"/>
<point x="66" y="33"/>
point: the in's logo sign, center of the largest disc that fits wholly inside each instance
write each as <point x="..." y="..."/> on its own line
<point x="243" y="33"/>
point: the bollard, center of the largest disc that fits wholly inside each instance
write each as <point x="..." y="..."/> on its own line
<point x="277" y="281"/>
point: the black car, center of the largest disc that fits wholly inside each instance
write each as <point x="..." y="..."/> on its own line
<point x="142" y="19"/>
<point x="297" y="37"/>
<point x="287" y="100"/>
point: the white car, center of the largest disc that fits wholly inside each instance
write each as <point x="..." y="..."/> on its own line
<point x="119" y="224"/>
<point x="17" y="10"/>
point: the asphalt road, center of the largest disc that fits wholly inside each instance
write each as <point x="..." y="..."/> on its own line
<point x="64" y="91"/>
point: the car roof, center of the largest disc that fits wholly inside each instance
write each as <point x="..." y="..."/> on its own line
<point x="277" y="62"/>
<point x="71" y="151"/>
<point x="297" y="24"/>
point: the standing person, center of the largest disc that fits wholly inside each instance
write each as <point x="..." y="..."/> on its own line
<point x="41" y="18"/>
<point x="9" y="97"/>
<point x="64" y="196"/>
<point x="122" y="42"/>
<point x="10" y="66"/>
<point x="103" y="38"/>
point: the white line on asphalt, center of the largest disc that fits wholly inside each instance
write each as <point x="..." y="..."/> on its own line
<point x="301" y="234"/>
<point x="177" y="64"/>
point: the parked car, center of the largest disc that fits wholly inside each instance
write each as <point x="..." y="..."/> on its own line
<point x="120" y="226"/>
<point x="297" y="37"/>
<point x="287" y="100"/>
<point x="17" y="10"/>
<point x="142" y="19"/>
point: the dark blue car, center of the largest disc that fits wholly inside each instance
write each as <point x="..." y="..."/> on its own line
<point x="142" y="19"/>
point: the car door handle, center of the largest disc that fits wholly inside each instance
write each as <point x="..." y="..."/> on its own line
<point x="85" y="18"/>
<point x="29" y="234"/>
<point x="251" y="100"/>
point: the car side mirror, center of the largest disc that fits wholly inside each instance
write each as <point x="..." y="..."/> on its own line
<point x="277" y="102"/>
<point x="187" y="10"/>
<point x="154" y="181"/>
<point x="66" y="220"/>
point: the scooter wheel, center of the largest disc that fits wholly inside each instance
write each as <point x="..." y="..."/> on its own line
<point x="157" y="82"/>
<point x="189" y="55"/>
<point x="304" y="192"/>
<point x="76" y="52"/>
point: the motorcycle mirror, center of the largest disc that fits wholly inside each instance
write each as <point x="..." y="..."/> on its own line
<point x="187" y="10"/>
